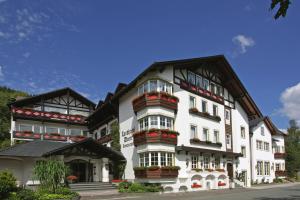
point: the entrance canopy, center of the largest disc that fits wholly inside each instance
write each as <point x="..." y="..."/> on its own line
<point x="42" y="148"/>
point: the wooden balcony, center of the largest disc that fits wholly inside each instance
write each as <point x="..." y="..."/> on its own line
<point x="201" y="92"/>
<point x="47" y="136"/>
<point x="155" y="136"/>
<point x="104" y="139"/>
<point x="280" y="173"/>
<point x="161" y="99"/>
<point x="52" y="116"/>
<point x="279" y="155"/>
<point x="156" y="172"/>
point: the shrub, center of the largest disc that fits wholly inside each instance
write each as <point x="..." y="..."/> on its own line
<point x="61" y="193"/>
<point x="25" y="194"/>
<point x="7" y="184"/>
<point x="50" y="173"/>
<point x="137" y="187"/>
<point x="123" y="187"/>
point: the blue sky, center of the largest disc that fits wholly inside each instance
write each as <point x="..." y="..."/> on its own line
<point x="92" y="45"/>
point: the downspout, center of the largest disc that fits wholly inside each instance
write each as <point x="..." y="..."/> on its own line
<point x="251" y="147"/>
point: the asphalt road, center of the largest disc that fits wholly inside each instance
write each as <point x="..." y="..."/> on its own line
<point x="279" y="193"/>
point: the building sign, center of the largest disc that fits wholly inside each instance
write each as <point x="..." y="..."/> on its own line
<point x="128" y="138"/>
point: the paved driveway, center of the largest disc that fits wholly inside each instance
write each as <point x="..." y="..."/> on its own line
<point x="289" y="192"/>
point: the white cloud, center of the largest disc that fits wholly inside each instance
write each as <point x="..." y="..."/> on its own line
<point x="243" y="42"/>
<point x="290" y="99"/>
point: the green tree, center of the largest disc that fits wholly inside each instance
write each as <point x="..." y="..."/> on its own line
<point x="50" y="173"/>
<point x="283" y="7"/>
<point x="292" y="146"/>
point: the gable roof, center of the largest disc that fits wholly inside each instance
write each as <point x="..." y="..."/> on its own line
<point x="44" y="148"/>
<point x="51" y="94"/>
<point x="231" y="80"/>
<point x="268" y="122"/>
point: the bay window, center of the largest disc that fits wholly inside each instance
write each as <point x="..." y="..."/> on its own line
<point x="24" y="127"/>
<point x="156" y="121"/>
<point x="78" y="131"/>
<point x="206" y="162"/>
<point x="154" y="85"/>
<point x="156" y="159"/>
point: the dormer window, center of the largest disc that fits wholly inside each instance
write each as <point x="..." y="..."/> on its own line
<point x="154" y="85"/>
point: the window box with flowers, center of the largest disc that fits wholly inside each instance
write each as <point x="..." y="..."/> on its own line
<point x="155" y="136"/>
<point x="209" y="143"/>
<point x="220" y="170"/>
<point x="196" y="186"/>
<point x="220" y="184"/>
<point x="206" y="115"/>
<point x="154" y="172"/>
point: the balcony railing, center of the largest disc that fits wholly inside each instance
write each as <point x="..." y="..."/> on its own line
<point x="279" y="155"/>
<point x="156" y="172"/>
<point x="155" y="136"/>
<point x="201" y="92"/>
<point x="78" y="119"/>
<point x="280" y="173"/>
<point x="155" y="99"/>
<point x="104" y="139"/>
<point x="47" y="136"/>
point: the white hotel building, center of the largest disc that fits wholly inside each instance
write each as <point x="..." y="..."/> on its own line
<point x="189" y="125"/>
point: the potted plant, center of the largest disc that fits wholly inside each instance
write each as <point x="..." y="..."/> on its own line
<point x="72" y="179"/>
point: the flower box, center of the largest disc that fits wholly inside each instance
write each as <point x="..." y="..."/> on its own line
<point x="206" y="115"/>
<point x="220" y="184"/>
<point x="220" y="170"/>
<point x="209" y="170"/>
<point x="156" y="172"/>
<point x="161" y="99"/>
<point x="155" y="136"/>
<point x="195" y="186"/>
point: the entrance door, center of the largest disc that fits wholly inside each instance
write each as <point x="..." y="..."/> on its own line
<point x="82" y="170"/>
<point x="230" y="170"/>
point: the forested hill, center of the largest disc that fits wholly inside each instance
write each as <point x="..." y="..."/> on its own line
<point x="6" y="95"/>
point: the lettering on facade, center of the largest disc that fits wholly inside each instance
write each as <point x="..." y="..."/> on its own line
<point x="128" y="138"/>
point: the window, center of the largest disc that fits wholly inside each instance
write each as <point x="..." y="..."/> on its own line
<point x="228" y="141"/>
<point x="206" y="84"/>
<point x="217" y="162"/>
<point x="146" y="159"/>
<point x="219" y="91"/>
<point x="216" y="136"/>
<point x="267" y="168"/>
<point x="164" y="122"/>
<point x="262" y="130"/>
<point x="277" y="149"/>
<point x="23" y="127"/>
<point x="153" y="85"/>
<point x="215" y="110"/>
<point x="243" y="151"/>
<point x="51" y="130"/>
<point x="199" y="81"/>
<point x="227" y="116"/>
<point x="204" y="106"/>
<point x="170" y="159"/>
<point x="102" y="132"/>
<point x="259" y="145"/>
<point x="213" y="88"/>
<point x="266" y="146"/>
<point x="277" y="166"/>
<point x="78" y="132"/>
<point x="153" y="122"/>
<point x="191" y="78"/>
<point x="193" y="131"/>
<point x="192" y="102"/>
<point x="37" y="129"/>
<point x="243" y="132"/>
<point x="194" y="162"/>
<point x="206" y="162"/>
<point x="259" y="166"/>
<point x="205" y="134"/>
<point x="154" y="159"/>
<point x="163" y="161"/>
<point x="142" y="160"/>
